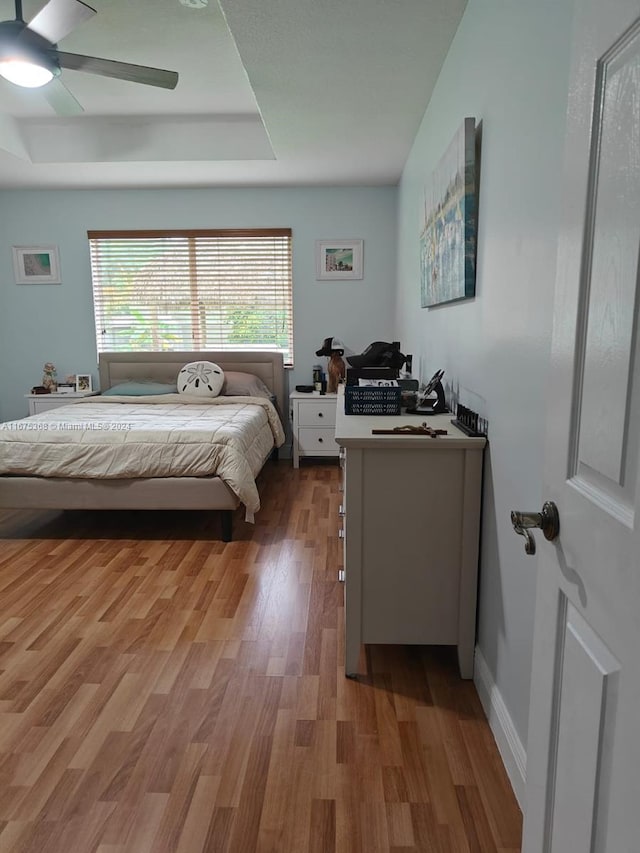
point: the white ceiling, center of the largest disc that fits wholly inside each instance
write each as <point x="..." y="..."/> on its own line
<point x="270" y="93"/>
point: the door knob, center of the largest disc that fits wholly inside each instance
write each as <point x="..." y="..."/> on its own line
<point x="548" y="521"/>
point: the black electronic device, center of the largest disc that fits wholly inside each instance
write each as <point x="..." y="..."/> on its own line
<point x="355" y="374"/>
<point x="432" y="407"/>
<point x="305" y="389"/>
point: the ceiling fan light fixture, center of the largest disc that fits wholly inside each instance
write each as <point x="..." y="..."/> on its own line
<point x="29" y="55"/>
<point x="30" y="75"/>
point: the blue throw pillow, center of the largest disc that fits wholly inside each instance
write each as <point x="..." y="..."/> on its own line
<point x="140" y="389"/>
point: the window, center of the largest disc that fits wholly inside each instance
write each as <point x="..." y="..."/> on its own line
<point x="193" y="290"/>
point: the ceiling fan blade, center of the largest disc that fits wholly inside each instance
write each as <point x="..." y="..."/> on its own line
<point x="58" y="18"/>
<point x="119" y="70"/>
<point x="60" y="98"/>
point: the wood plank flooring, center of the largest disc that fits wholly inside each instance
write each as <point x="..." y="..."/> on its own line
<point x="163" y="691"/>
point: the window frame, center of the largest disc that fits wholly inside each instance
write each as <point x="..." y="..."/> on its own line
<point x="196" y="289"/>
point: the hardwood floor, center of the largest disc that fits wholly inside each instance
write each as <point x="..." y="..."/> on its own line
<point x="163" y="691"/>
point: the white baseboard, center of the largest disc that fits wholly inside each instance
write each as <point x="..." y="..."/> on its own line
<point x="510" y="746"/>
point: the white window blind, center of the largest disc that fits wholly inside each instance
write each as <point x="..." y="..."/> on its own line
<point x="176" y="290"/>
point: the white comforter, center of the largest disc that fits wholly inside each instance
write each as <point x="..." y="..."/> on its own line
<point x="169" y="435"/>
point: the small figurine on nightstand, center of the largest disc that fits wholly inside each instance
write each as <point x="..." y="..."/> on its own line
<point x="334" y="349"/>
<point x="49" y="377"/>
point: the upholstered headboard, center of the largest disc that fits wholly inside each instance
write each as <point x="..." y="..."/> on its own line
<point x="116" y="367"/>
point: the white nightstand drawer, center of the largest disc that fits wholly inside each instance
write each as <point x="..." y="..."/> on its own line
<point x="318" y="413"/>
<point x="39" y="403"/>
<point x="314" y="424"/>
<point x="317" y="440"/>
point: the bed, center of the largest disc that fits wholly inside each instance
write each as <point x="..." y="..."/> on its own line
<point x="138" y="488"/>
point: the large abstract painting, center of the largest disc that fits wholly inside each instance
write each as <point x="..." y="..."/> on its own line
<point x="448" y="223"/>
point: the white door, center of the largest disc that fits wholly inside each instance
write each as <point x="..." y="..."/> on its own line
<point x="583" y="749"/>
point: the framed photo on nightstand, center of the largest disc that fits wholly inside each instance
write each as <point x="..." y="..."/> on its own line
<point x="83" y="382"/>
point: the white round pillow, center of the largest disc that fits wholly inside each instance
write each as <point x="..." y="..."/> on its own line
<point x="201" y="379"/>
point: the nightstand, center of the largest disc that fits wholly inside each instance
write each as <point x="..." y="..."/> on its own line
<point x="314" y="423"/>
<point x="39" y="403"/>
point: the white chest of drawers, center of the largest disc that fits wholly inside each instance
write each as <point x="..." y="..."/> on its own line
<point x="313" y="418"/>
<point x="411" y="528"/>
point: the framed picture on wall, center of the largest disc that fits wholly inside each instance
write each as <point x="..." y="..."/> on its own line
<point x="448" y="223"/>
<point x="338" y="260"/>
<point x="36" y="265"/>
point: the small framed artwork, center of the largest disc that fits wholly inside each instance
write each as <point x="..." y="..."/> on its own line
<point x="36" y="264"/>
<point x="83" y="382"/>
<point x="339" y="260"/>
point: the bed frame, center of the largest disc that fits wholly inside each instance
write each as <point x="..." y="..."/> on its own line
<point x="148" y="493"/>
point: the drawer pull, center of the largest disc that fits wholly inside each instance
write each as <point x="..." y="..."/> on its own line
<point x="320" y="440"/>
<point x="320" y="415"/>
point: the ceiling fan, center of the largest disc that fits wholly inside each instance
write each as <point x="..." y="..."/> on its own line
<point x="29" y="55"/>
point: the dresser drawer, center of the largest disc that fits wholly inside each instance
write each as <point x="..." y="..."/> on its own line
<point x="317" y="440"/>
<point x="317" y="413"/>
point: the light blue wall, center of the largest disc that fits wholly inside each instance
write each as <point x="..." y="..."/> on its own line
<point x="55" y="323"/>
<point x="508" y="67"/>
